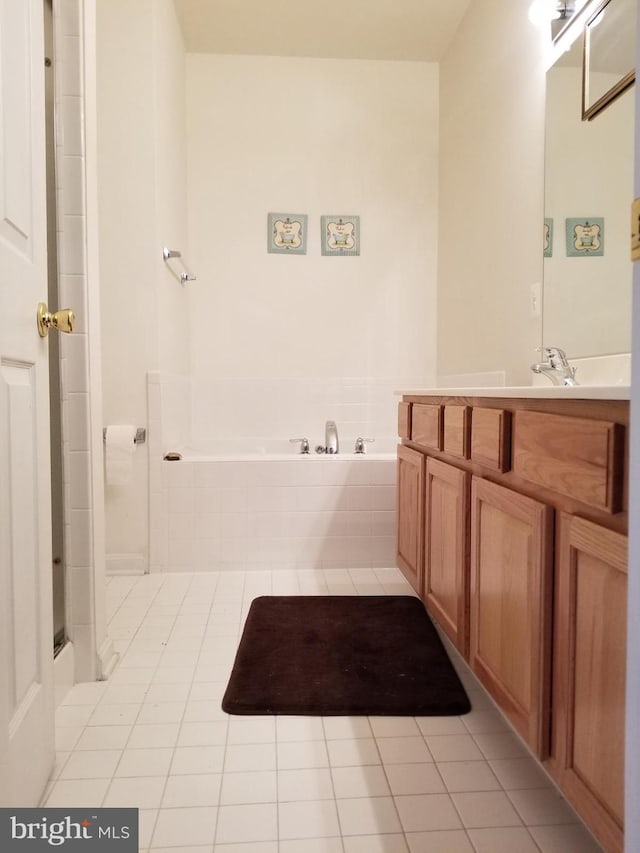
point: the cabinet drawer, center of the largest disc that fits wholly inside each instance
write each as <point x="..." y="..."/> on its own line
<point x="456" y="430"/>
<point x="491" y="438"/>
<point x="426" y="425"/>
<point x="404" y="420"/>
<point x="582" y="459"/>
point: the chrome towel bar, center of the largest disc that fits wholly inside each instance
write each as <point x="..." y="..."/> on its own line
<point x="185" y="275"/>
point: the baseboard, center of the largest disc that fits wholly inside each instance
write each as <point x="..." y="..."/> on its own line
<point x="125" y="564"/>
<point x="107" y="659"/>
<point x="63" y="673"/>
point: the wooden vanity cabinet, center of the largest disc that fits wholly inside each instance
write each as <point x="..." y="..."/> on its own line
<point x="589" y="673"/>
<point x="512" y="527"/>
<point x="446" y="550"/>
<point x="410" y="514"/>
<point x="576" y="456"/>
<point x="510" y="620"/>
<point x="456" y="430"/>
<point x="404" y="420"/>
<point x="427" y="426"/>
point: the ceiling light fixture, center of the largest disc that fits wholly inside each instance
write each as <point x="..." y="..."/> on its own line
<point x="543" y="11"/>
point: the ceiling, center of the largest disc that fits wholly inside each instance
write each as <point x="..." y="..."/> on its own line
<point x="348" y="29"/>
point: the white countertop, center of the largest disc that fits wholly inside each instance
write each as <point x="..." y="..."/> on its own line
<point x="557" y="392"/>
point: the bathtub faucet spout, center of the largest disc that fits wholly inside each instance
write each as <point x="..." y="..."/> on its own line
<point x="330" y="437"/>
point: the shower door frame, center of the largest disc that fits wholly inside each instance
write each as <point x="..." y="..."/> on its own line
<point x="93" y="656"/>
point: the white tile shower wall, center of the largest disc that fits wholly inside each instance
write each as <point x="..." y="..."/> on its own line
<point x="169" y="420"/>
<point x="176" y="401"/>
<point x="299" y="514"/>
<point x="84" y="608"/>
<point x="142" y="207"/>
<point x="290" y="408"/>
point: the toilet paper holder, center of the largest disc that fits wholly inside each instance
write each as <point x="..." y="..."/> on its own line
<point x="140" y="436"/>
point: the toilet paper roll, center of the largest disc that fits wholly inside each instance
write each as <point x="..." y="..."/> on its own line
<point x="119" y="449"/>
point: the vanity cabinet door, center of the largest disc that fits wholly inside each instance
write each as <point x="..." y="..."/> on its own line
<point x="410" y="521"/>
<point x="510" y="620"/>
<point x="589" y="673"/>
<point x="446" y="550"/>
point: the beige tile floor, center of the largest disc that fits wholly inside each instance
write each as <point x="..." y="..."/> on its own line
<point x="154" y="737"/>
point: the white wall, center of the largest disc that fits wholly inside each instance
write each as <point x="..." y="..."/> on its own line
<point x="170" y="183"/>
<point x="142" y="207"/>
<point x="271" y="134"/>
<point x="311" y="136"/>
<point x="491" y="192"/>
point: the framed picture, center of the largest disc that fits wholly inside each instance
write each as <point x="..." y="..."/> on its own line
<point x="287" y="233"/>
<point x="585" y="237"/>
<point x="340" y="235"/>
<point x="548" y="238"/>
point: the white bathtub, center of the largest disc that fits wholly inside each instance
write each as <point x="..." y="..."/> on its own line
<point x="263" y="505"/>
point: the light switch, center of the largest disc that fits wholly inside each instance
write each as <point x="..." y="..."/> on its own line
<point x="635" y="230"/>
<point x="535" y="300"/>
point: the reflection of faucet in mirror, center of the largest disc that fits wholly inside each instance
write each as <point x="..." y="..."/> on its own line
<point x="556" y="366"/>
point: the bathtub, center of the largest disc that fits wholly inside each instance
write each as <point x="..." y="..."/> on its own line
<point x="252" y="505"/>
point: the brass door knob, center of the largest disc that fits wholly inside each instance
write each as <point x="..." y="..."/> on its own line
<point x="62" y="320"/>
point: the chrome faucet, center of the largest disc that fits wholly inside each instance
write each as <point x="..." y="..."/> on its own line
<point x="360" y="444"/>
<point x="304" y="444"/>
<point x="330" y="437"/>
<point x="555" y="366"/>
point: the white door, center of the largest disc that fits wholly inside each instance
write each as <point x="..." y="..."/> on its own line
<point x="26" y="634"/>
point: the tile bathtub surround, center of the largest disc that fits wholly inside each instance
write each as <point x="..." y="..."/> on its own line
<point x="221" y="516"/>
<point x="303" y="514"/>
<point x="154" y="737"/>
<point x="196" y="410"/>
<point x="285" y="407"/>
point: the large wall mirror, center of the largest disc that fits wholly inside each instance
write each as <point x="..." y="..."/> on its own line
<point x="588" y="193"/>
<point x="609" y="54"/>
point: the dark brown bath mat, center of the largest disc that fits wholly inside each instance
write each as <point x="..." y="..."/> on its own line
<point x="342" y="655"/>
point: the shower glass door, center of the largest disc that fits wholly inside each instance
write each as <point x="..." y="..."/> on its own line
<point x="57" y="490"/>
